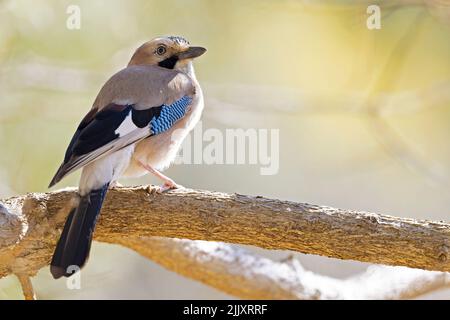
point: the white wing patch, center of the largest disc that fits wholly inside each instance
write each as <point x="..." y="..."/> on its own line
<point x="126" y="126"/>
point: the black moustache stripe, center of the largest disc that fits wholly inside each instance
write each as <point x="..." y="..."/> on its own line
<point x="169" y="63"/>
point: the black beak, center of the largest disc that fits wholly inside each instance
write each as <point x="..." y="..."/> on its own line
<point x="192" y="52"/>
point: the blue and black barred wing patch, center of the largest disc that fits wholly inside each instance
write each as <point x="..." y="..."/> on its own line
<point x="169" y="115"/>
<point x="116" y="127"/>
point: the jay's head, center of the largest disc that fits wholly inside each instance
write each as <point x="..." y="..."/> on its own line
<point x="167" y="52"/>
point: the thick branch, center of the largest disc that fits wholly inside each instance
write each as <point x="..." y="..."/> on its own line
<point x="29" y="231"/>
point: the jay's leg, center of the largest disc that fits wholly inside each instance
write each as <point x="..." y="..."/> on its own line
<point x="168" y="183"/>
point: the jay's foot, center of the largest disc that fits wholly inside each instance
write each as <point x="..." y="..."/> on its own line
<point x="151" y="189"/>
<point x="167" y="185"/>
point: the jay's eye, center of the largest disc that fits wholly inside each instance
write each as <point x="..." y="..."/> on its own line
<point x="160" y="50"/>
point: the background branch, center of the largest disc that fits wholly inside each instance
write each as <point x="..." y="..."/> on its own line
<point x="27" y="287"/>
<point x="246" y="275"/>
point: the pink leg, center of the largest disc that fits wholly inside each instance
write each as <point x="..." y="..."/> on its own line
<point x="168" y="183"/>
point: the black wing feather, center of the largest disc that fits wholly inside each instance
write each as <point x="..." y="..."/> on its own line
<point x="95" y="130"/>
<point x="99" y="131"/>
<point x="96" y="133"/>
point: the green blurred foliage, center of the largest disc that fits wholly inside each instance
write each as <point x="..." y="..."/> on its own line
<point x="294" y="65"/>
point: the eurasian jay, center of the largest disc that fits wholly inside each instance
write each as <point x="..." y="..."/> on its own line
<point x="136" y="125"/>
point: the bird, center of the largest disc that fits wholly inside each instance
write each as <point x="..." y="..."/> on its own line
<point x="136" y="125"/>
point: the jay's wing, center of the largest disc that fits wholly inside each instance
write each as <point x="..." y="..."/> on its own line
<point x="135" y="103"/>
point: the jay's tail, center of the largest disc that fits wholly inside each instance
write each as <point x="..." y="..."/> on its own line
<point x="73" y="246"/>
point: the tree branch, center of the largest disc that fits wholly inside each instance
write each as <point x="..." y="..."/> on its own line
<point x="250" y="276"/>
<point x="224" y="267"/>
<point x="27" y="287"/>
<point x="30" y="226"/>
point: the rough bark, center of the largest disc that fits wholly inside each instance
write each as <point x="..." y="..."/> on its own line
<point x="30" y="226"/>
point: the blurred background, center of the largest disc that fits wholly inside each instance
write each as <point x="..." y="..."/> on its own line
<point x="363" y="114"/>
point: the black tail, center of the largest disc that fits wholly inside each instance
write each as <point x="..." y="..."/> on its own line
<point x="75" y="241"/>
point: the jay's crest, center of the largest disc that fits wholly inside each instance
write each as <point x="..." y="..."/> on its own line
<point x="179" y="40"/>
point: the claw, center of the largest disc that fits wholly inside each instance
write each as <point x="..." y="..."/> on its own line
<point x="168" y="183"/>
<point x="151" y="189"/>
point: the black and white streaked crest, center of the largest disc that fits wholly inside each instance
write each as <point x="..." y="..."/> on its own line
<point x="178" y="40"/>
